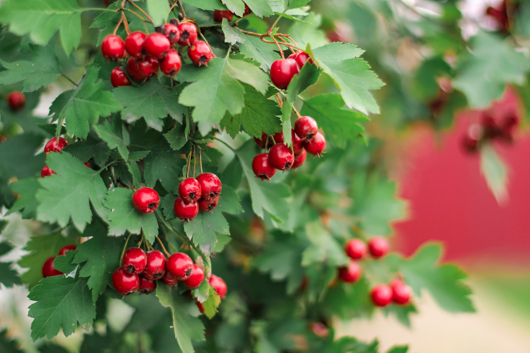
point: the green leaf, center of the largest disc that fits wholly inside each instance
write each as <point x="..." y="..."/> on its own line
<point x="399" y="349"/>
<point x="206" y="4"/>
<point x="236" y="6"/>
<point x="27" y="203"/>
<point x="232" y="35"/>
<point x="21" y="148"/>
<point x="292" y="4"/>
<point x="7" y="345"/>
<point x="92" y="147"/>
<point x="158" y="9"/>
<point x="60" y="303"/>
<point x="115" y="135"/>
<point x="229" y="201"/>
<point x="212" y="303"/>
<point x="66" y="195"/>
<point x="202" y="229"/>
<point x="164" y="164"/>
<point x="8" y="276"/>
<point x="64" y="264"/>
<point x="125" y="217"/>
<point x="495" y="172"/>
<point x="324" y="247"/>
<point x="259" y="8"/>
<point x="252" y="47"/>
<point x="167" y="206"/>
<point x="177" y="137"/>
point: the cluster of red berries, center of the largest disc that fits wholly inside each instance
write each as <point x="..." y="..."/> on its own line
<point x="489" y="129"/>
<point x="194" y="194"/>
<point x="283" y="70"/>
<point x="16" y="100"/>
<point x="54" y="146"/>
<point x="305" y="138"/>
<point x="149" y="53"/>
<point x="218" y="15"/>
<point x="356" y="249"/>
<point x="47" y="268"/>
<point x="397" y="292"/>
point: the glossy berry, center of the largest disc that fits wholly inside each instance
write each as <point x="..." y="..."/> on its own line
<point x="88" y="165"/>
<point x="133" y="70"/>
<point x="262" y="142"/>
<point x="188" y="33"/>
<point x="298" y="143"/>
<point x="299" y="160"/>
<point x="196" y="277"/>
<point x="179" y="265"/>
<point x="301" y="58"/>
<point x="472" y="138"/>
<point x="171" y="64"/>
<point x="200" y="53"/>
<point x="16" y="100"/>
<point x="48" y="270"/>
<point x="210" y="185"/>
<point x="157" y="45"/>
<point x="46" y="172"/>
<point x="355" y="249"/>
<point x="55" y="146"/>
<point x="381" y="295"/>
<point x="146" y="286"/>
<point x="316" y="146"/>
<point x="306" y="127"/>
<point x="172" y="33"/>
<point x="378" y="247"/>
<point x="219" y="285"/>
<point x="145" y="200"/>
<point x="186" y="211"/>
<point x="147" y="66"/>
<point x="208" y="205"/>
<point x="281" y="157"/>
<point x="113" y="47"/>
<point x="350" y="273"/>
<point x="218" y="15"/>
<point x="134" y="44"/>
<point x="119" y="78"/>
<point x="190" y="189"/>
<point x="66" y="248"/>
<point x="282" y="72"/>
<point x="200" y="306"/>
<point x="156" y="265"/>
<point x="134" y="260"/>
<point x="247" y="10"/>
<point x="261" y="167"/>
<point x="400" y="292"/>
<point x="169" y="279"/>
<point x="125" y="283"/>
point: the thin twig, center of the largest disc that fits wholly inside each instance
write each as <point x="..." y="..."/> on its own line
<point x="285" y="41"/>
<point x="125" y="23"/>
<point x="182" y="10"/>
<point x="296" y="111"/>
<point x="124" y="248"/>
<point x="117" y="26"/>
<point x="194" y="161"/>
<point x="189" y="163"/>
<point x="69" y="79"/>
<point x="142" y="11"/>
<point x="200" y="158"/>
<point x="163" y="247"/>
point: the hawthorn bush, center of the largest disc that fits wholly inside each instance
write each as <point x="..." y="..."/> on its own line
<point x="182" y="163"/>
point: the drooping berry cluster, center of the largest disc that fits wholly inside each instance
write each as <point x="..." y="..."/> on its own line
<point x="356" y="249"/>
<point x="218" y="15"/>
<point x="16" y="100"/>
<point x="47" y="268"/>
<point x="194" y="194"/>
<point x="283" y="70"/>
<point x="490" y="128"/>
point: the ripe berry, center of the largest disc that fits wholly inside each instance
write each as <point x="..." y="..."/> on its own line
<point x="55" y="146"/>
<point x="146" y="286"/>
<point x="316" y="146"/>
<point x="262" y="142"/>
<point x="186" y="211"/>
<point x="200" y="53"/>
<point x="113" y="47"/>
<point x="48" y="270"/>
<point x="262" y="168"/>
<point x="350" y="273"/>
<point x="282" y="72"/>
<point x="508" y="127"/>
<point x="210" y="185"/>
<point x="378" y="247"/>
<point x="208" y="205"/>
<point x="171" y="64"/>
<point x="301" y="57"/>
<point x="299" y="160"/>
<point x="118" y="78"/>
<point x="147" y="66"/>
<point x="88" y="165"/>
<point x="124" y="282"/>
<point x="490" y="126"/>
<point x="134" y="260"/>
<point x="381" y="295"/>
<point x="281" y="157"/>
<point x="319" y="329"/>
<point x="172" y="33"/>
<point x="156" y="265"/>
<point x="472" y="138"/>
<point x="190" y="189"/>
<point x="219" y="285"/>
<point x="46" y="172"/>
<point x="188" y="33"/>
<point x="134" y="44"/>
<point x="247" y="10"/>
<point x="169" y="279"/>
<point x="66" y="248"/>
<point x="400" y="292"/>
<point x="355" y="249"/>
<point x="179" y="265"/>
<point x="298" y="143"/>
<point x="196" y="277"/>
<point x="16" y="100"/>
<point x="200" y="306"/>
<point x="306" y="127"/>
<point x="218" y="15"/>
<point x="133" y="70"/>
<point x="157" y="45"/>
<point x="145" y="200"/>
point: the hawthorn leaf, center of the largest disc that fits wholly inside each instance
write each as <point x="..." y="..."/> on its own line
<point x="159" y="10"/>
<point x="252" y="47"/>
<point x="229" y="201"/>
<point x="212" y="303"/>
<point x="167" y="205"/>
<point x="236" y="6"/>
<point x="232" y="35"/>
<point x="164" y="164"/>
<point x="495" y="172"/>
<point x="21" y="148"/>
<point x="115" y="135"/>
<point x="259" y="8"/>
<point x="27" y="203"/>
<point x="401" y="313"/>
<point x="206" y="4"/>
<point x="92" y="147"/>
<point x="202" y="229"/>
<point x="8" y="276"/>
<point x="399" y="349"/>
<point x="323" y="248"/>
<point x="64" y="264"/>
<point x="292" y="4"/>
<point x="8" y="345"/>
<point x="177" y="137"/>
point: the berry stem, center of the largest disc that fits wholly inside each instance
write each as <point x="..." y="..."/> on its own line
<point x="125" y="23"/>
<point x="194" y="161"/>
<point x="277" y="44"/>
<point x="124" y="248"/>
<point x="285" y="41"/>
<point x="279" y="100"/>
<point x="275" y="22"/>
<point x="189" y="163"/>
<point x="296" y="111"/>
<point x="171" y="8"/>
<point x="69" y="79"/>
<point x="118" y="25"/>
<point x="200" y="158"/>
<point x="163" y="247"/>
<point x="142" y="11"/>
<point x="226" y="144"/>
<point x="182" y="10"/>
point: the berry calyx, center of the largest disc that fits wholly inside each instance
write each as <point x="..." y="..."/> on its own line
<point x="125" y="283"/>
<point x="186" y="211"/>
<point x="55" y="146"/>
<point x="200" y="53"/>
<point x="146" y="286"/>
<point x="196" y="277"/>
<point x="306" y="127"/>
<point x="188" y="33"/>
<point x="218" y="15"/>
<point x="113" y="47"/>
<point x="208" y="205"/>
<point x="282" y="72"/>
<point x="350" y="273"/>
<point x="190" y="189"/>
<point x="261" y="167"/>
<point x="119" y="78"/>
<point x="298" y="143"/>
<point x="46" y="172"/>
<point x="219" y="285"/>
<point x="378" y="247"/>
<point x="157" y="45"/>
<point x="210" y="185"/>
<point x="134" y="260"/>
<point x="262" y="142"/>
<point x="281" y="157"/>
<point x="299" y="160"/>
<point x="316" y="146"/>
<point x="172" y="33"/>
<point x="355" y="249"/>
<point x="133" y="70"/>
<point x="400" y="292"/>
<point x="145" y="200"/>
<point x="171" y="64"/>
<point x="134" y="44"/>
<point x="48" y="270"/>
<point x="66" y="248"/>
<point x="147" y="66"/>
<point x="156" y="265"/>
<point x="169" y="279"/>
<point x="301" y="58"/>
<point x="381" y="295"/>
<point x="179" y="265"/>
<point x="16" y="100"/>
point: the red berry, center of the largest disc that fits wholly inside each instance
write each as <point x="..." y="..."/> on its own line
<point x="147" y="66"/>
<point x="171" y="64"/>
<point x="316" y="146"/>
<point x="281" y="157"/>
<point x="350" y="273"/>
<point x="46" y="172"/>
<point x="508" y="127"/>
<point x="190" y="189"/>
<point x="355" y="249"/>
<point x="118" y="78"/>
<point x="219" y="285"/>
<point x="55" y="146"/>
<point x="472" y="138"/>
<point x="247" y="11"/>
<point x="186" y="211"/>
<point x="124" y="282"/>
<point x="196" y="277"/>
<point x="133" y="70"/>
<point x="16" y="100"/>
<point x="113" y="47"/>
<point x="157" y="45"/>
<point x="319" y="329"/>
<point x="298" y="144"/>
<point x="400" y="292"/>
<point x="172" y="33"/>
<point x="134" y="260"/>
<point x="188" y="33"/>
<point x="282" y="72"/>
<point x="262" y="142"/>
<point x="378" y="247"/>
<point x="66" y="248"/>
<point x="134" y="44"/>
<point x="200" y="306"/>
<point x="306" y="127"/>
<point x="381" y="295"/>
<point x="200" y="53"/>
<point x="218" y="15"/>
<point x="299" y="160"/>
<point x="88" y="165"/>
<point x="156" y="265"/>
<point x="301" y="58"/>
<point x="145" y="200"/>
<point x="169" y="279"/>
<point x="210" y="185"/>
<point x="48" y="270"/>
<point x="179" y="265"/>
<point x="262" y="168"/>
<point x="491" y="127"/>
<point x="208" y="205"/>
<point x="146" y="286"/>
